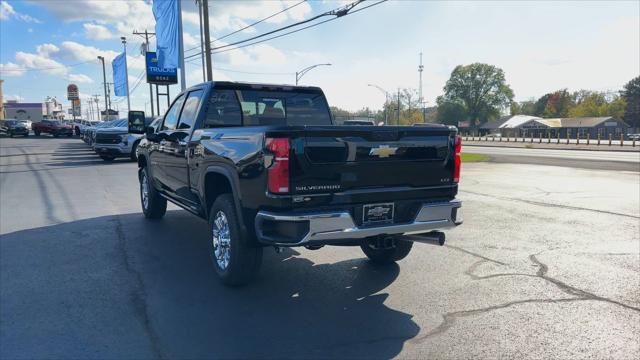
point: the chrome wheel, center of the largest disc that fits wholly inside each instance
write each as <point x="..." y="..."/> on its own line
<point x="221" y="240"/>
<point x="144" y="191"/>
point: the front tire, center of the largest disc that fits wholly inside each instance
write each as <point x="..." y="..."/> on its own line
<point x="384" y="256"/>
<point x="134" y="151"/>
<point x="235" y="259"/>
<point x="154" y="206"/>
<point x="37" y="133"/>
<point x="107" y="158"/>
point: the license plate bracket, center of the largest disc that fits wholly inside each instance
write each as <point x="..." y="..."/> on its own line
<point x="373" y="214"/>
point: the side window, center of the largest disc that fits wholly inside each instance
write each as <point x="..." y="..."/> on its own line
<point x="189" y="110"/>
<point x="171" y="119"/>
<point x="223" y="109"/>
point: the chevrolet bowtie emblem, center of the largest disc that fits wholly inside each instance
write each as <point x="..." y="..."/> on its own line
<point x="383" y="151"/>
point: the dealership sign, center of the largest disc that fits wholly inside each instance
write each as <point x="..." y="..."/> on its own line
<point x="158" y="75"/>
<point x="72" y="92"/>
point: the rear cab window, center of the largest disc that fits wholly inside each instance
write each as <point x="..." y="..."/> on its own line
<point x="258" y="107"/>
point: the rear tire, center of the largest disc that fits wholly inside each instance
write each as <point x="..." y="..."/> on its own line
<point x="387" y="256"/>
<point x="107" y="158"/>
<point x="10" y="134"/>
<point x="55" y="135"/>
<point x="154" y="206"/>
<point x="37" y="133"/>
<point x="235" y="257"/>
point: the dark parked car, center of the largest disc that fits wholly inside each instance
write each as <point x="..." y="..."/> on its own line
<point x="53" y="127"/>
<point x="267" y="167"/>
<point x="16" y="127"/>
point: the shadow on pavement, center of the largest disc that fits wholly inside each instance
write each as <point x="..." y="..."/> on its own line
<point x="122" y="286"/>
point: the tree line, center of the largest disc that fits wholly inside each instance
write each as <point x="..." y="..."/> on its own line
<point x="478" y="93"/>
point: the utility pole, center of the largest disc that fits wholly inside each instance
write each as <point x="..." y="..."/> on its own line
<point x="207" y="39"/>
<point x="97" y="101"/>
<point x="398" y="120"/>
<point x="183" y="84"/>
<point x="420" y="101"/>
<point x="126" y="71"/>
<point x="146" y="48"/>
<point x="104" y="83"/>
<point x="204" y="74"/>
<point x="109" y="97"/>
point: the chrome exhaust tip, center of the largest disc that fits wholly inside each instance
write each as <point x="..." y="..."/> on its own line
<point x="431" y="238"/>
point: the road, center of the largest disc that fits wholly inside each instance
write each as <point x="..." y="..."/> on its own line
<point x="607" y="160"/>
<point x="546" y="265"/>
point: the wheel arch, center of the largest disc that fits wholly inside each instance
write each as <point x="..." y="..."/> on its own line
<point x="218" y="180"/>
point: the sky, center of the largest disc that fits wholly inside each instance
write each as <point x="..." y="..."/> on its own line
<point x="542" y="46"/>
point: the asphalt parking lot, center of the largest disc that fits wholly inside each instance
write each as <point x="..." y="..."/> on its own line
<point x="546" y="265"/>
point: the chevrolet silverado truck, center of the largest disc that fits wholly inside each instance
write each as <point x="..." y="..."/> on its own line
<point x="115" y="141"/>
<point x="265" y="165"/>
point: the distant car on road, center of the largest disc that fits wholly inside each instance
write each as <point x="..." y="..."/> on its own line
<point x="15" y="127"/>
<point x="635" y="137"/>
<point x="53" y="127"/>
<point x="493" y="135"/>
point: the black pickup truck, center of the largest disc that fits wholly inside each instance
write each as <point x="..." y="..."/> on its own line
<point x="265" y="165"/>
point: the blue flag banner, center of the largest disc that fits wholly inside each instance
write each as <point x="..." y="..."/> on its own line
<point x="167" y="34"/>
<point x="120" y="82"/>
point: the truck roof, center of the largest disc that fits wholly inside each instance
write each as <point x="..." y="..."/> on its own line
<point x="256" y="86"/>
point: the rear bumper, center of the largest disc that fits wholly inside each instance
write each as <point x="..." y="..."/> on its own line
<point x="334" y="227"/>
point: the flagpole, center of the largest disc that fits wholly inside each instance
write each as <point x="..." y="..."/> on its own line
<point x="126" y="71"/>
<point x="183" y="84"/>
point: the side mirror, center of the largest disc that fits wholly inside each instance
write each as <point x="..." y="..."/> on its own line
<point x="150" y="134"/>
<point x="136" y="122"/>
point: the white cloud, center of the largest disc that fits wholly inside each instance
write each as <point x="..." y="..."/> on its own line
<point x="38" y="61"/>
<point x="10" y="70"/>
<point x="80" y="78"/>
<point x="190" y="40"/>
<point x="124" y="15"/>
<point x="7" y="12"/>
<point x="97" y="32"/>
<point x="71" y="50"/>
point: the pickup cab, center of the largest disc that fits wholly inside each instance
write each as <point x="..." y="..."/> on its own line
<point x="266" y="166"/>
<point x="53" y="127"/>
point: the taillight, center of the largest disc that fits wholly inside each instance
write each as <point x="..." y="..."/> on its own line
<point x="278" y="172"/>
<point x="457" y="161"/>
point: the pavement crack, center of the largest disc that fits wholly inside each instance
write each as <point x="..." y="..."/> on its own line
<point x="474" y="254"/>
<point x="138" y="295"/>
<point x="540" y="203"/>
<point x="449" y="319"/>
<point x="571" y="290"/>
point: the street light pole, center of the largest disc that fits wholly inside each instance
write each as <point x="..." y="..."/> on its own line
<point x="386" y="97"/>
<point x="104" y="83"/>
<point x="126" y="71"/>
<point x="301" y="73"/>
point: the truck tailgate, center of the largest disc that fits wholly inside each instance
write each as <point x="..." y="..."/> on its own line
<point x="348" y="158"/>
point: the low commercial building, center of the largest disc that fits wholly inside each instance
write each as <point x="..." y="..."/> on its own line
<point x="592" y="127"/>
<point x="24" y="111"/>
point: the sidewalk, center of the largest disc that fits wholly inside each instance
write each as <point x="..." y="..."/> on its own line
<point x="604" y="146"/>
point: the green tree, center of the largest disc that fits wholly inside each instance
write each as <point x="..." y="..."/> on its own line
<point x="527" y="107"/>
<point x="591" y="103"/>
<point x="631" y="94"/>
<point x="554" y="104"/>
<point x="481" y="89"/>
<point x="449" y="112"/>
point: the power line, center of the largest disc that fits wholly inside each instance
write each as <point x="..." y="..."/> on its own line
<point x="338" y="12"/>
<point x="297" y="30"/>
<point x="252" y="24"/>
